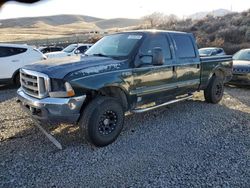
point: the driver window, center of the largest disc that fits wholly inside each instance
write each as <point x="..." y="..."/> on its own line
<point x="152" y="42"/>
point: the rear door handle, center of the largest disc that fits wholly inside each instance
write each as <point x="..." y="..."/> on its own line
<point x="174" y="72"/>
<point x="174" y="69"/>
<point x="198" y="66"/>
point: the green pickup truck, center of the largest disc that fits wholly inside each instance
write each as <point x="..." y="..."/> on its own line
<point x="123" y="72"/>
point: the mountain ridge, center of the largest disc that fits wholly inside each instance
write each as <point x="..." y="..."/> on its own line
<point x="215" y="13"/>
<point x="64" y="19"/>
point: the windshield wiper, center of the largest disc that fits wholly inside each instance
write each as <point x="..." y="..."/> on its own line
<point x="100" y="55"/>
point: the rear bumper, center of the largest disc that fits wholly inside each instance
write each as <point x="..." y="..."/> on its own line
<point x="54" y="110"/>
<point x="240" y="79"/>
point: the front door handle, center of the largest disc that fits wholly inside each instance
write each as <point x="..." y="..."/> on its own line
<point x="198" y="66"/>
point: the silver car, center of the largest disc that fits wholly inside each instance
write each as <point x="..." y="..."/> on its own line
<point x="241" y="67"/>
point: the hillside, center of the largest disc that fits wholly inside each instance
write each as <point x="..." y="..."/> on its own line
<point x="56" y="20"/>
<point x="232" y="31"/>
<point x="117" y="23"/>
<point x="25" y="29"/>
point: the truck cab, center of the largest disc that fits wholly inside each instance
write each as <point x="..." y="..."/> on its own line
<point x="124" y="72"/>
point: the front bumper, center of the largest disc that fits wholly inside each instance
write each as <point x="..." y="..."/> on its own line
<point x="52" y="109"/>
<point x="241" y="79"/>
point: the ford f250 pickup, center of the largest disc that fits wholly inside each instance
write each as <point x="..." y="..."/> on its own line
<point x="124" y="72"/>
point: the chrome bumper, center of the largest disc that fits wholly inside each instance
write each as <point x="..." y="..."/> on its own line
<point x="52" y="109"/>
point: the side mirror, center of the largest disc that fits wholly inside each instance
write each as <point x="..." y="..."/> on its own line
<point x="77" y="52"/>
<point x="157" y="55"/>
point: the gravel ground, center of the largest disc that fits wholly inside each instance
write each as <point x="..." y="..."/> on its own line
<point x="189" y="144"/>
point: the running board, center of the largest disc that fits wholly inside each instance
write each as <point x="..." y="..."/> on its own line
<point x="161" y="105"/>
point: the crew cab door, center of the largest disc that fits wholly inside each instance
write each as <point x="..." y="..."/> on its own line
<point x="186" y="68"/>
<point x="151" y="82"/>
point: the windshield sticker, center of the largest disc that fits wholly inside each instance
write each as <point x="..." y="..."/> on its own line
<point x="136" y="37"/>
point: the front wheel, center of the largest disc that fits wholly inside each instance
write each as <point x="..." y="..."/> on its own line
<point x="102" y="121"/>
<point x="214" y="91"/>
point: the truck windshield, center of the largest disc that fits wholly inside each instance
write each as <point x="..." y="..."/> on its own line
<point x="70" y="48"/>
<point x="115" y="46"/>
<point x="242" y="55"/>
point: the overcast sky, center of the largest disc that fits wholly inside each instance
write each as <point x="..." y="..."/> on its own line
<point x="119" y="8"/>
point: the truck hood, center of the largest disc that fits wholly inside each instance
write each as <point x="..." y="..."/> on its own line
<point x="75" y="66"/>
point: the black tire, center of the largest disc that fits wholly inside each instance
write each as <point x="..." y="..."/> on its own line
<point x="102" y="121"/>
<point x="214" y="91"/>
<point x="17" y="80"/>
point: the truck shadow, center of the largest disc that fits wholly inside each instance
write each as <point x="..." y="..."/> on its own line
<point x="6" y="87"/>
<point x="7" y="92"/>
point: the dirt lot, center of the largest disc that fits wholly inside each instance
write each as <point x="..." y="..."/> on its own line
<point x="191" y="143"/>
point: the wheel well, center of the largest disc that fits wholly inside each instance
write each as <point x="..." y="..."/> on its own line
<point x="219" y="73"/>
<point x="14" y="76"/>
<point x="117" y="93"/>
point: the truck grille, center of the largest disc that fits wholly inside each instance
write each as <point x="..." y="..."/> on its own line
<point x="34" y="83"/>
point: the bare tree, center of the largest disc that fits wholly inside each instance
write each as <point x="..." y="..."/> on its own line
<point x="154" y="19"/>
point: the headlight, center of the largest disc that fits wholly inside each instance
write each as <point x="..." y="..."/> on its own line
<point x="61" y="89"/>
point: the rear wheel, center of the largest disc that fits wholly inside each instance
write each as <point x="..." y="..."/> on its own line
<point x="214" y="91"/>
<point x="102" y="121"/>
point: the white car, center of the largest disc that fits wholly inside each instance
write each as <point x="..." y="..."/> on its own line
<point x="71" y="50"/>
<point x="211" y="51"/>
<point x="13" y="57"/>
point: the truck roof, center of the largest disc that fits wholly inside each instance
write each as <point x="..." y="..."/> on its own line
<point x="153" y="31"/>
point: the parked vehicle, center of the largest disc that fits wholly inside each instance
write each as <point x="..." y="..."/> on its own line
<point x="212" y="51"/>
<point x="71" y="50"/>
<point x="13" y="57"/>
<point x="125" y="72"/>
<point x="48" y="49"/>
<point x="241" y="67"/>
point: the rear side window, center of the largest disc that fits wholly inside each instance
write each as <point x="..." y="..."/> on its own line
<point x="10" y="51"/>
<point x="184" y="46"/>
